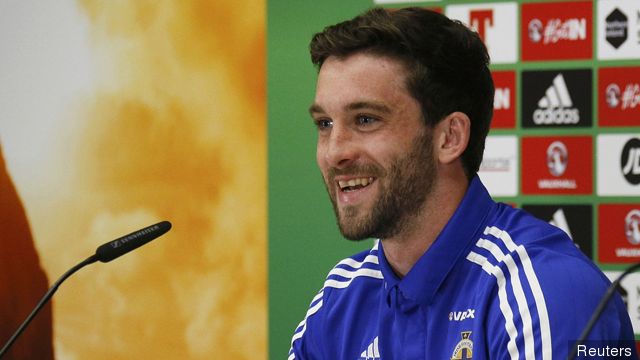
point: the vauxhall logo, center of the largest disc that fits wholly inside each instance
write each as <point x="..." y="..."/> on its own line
<point x="557" y="158"/>
<point x="556" y="107"/>
<point x="630" y="161"/>
<point x="632" y="226"/>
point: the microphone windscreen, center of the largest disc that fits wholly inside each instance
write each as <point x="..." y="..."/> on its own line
<point x="122" y="245"/>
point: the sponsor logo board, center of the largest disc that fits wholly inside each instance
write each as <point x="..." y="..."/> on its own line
<point x="556" y="98"/>
<point x="629" y="290"/>
<point x="618" y="29"/>
<point x="618" y="164"/>
<point x="618" y="233"/>
<point x="496" y="23"/>
<point x="499" y="168"/>
<point x="504" y="100"/>
<point x="557" y="165"/>
<point x="575" y="220"/>
<point x="401" y="1"/>
<point x="557" y="31"/>
<point x="619" y="96"/>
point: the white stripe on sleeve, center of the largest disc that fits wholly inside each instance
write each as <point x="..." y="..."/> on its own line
<point x="509" y="326"/>
<point x="541" y="305"/>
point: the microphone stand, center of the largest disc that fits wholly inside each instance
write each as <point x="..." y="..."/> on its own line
<point x="600" y="309"/>
<point x="104" y="253"/>
<point x="47" y="296"/>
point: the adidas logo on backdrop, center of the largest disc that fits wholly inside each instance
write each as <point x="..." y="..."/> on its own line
<point x="560" y="98"/>
<point x="556" y="106"/>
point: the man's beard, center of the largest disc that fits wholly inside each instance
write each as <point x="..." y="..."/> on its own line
<point x="407" y="184"/>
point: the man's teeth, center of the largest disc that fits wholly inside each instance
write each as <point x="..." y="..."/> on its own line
<point x="355" y="182"/>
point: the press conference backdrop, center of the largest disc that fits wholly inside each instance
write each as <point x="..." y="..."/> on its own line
<point x="564" y="143"/>
<point x="115" y="115"/>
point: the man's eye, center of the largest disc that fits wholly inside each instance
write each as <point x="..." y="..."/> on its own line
<point x="323" y="124"/>
<point x="366" y="120"/>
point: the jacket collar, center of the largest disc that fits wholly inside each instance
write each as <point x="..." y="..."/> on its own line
<point x="427" y="275"/>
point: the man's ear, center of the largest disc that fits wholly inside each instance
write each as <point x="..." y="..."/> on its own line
<point x="452" y="137"/>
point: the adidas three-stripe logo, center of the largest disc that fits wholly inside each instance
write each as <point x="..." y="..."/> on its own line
<point x="556" y="107"/>
<point x="557" y="95"/>
<point x="372" y="352"/>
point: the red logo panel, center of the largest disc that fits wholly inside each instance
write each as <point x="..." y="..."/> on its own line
<point x="504" y="101"/>
<point x="557" y="165"/>
<point x="557" y="31"/>
<point x="619" y="96"/>
<point x="619" y="233"/>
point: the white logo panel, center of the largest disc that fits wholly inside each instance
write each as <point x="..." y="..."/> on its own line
<point x="497" y="25"/>
<point x="499" y="167"/>
<point x="630" y="292"/>
<point x="618" y="29"/>
<point x="611" y="172"/>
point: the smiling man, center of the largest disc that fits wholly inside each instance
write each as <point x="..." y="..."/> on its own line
<point x="403" y="105"/>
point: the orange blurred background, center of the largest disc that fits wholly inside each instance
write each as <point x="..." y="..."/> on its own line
<point x="118" y="114"/>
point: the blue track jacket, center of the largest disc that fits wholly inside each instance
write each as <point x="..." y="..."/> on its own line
<point x="497" y="283"/>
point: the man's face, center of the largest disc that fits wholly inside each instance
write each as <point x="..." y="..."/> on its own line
<point x="374" y="151"/>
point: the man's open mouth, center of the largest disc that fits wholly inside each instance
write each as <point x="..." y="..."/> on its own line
<point x="354" y="184"/>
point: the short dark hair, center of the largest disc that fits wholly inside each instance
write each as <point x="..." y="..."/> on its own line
<point x="447" y="64"/>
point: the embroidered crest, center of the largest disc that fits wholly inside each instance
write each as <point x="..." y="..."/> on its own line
<point x="464" y="349"/>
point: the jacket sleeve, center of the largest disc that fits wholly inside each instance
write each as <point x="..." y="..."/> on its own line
<point x="543" y="302"/>
<point x="304" y="343"/>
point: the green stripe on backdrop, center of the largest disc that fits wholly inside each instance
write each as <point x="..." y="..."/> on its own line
<point x="304" y="242"/>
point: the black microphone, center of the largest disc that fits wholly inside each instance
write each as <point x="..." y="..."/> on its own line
<point x="104" y="253"/>
<point x="122" y="245"/>
<point x="600" y="309"/>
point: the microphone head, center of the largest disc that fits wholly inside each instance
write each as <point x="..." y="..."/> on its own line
<point x="122" y="245"/>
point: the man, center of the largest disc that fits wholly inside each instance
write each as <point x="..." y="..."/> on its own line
<point x="403" y="104"/>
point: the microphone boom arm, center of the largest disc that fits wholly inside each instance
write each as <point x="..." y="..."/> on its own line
<point x="599" y="309"/>
<point x="104" y="253"/>
<point x="44" y="300"/>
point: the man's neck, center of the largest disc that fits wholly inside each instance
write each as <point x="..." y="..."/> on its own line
<point x="404" y="250"/>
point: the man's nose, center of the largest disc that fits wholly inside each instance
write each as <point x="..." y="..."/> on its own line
<point x="340" y="151"/>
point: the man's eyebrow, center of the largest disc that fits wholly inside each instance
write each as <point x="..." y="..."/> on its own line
<point x="315" y="108"/>
<point x="373" y="105"/>
<point x="360" y="105"/>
